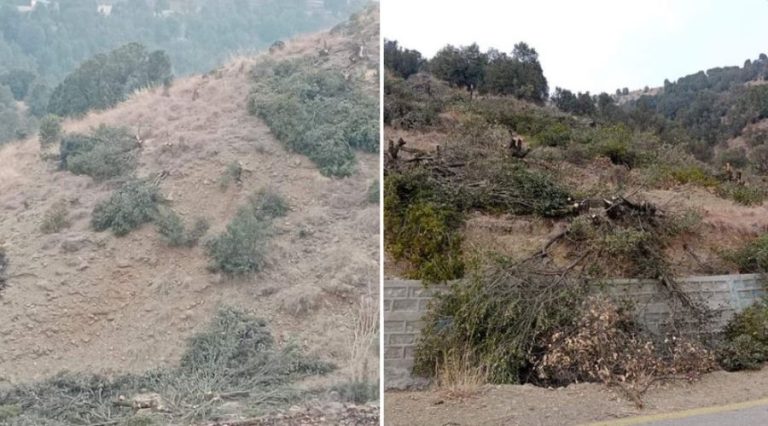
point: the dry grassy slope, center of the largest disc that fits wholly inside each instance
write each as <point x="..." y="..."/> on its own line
<point x="128" y="304"/>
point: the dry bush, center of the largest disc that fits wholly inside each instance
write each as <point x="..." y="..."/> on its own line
<point x="300" y="300"/>
<point x="233" y="172"/>
<point x="606" y="345"/>
<point x="56" y="218"/>
<point x="365" y="331"/>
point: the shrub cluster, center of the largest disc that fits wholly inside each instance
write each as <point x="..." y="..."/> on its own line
<point x="173" y="231"/>
<point x="421" y="230"/>
<point x="746" y="339"/>
<point x="752" y="257"/>
<point x="316" y="112"/>
<point x="50" y="130"/>
<point x="132" y="205"/>
<point x="242" y="248"/>
<point x="747" y="195"/>
<point x="106" y="153"/>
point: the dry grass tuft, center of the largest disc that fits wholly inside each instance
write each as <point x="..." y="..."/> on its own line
<point x="365" y="331"/>
<point x="458" y="377"/>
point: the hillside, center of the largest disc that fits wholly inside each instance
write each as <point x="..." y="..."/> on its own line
<point x="524" y="208"/>
<point x="91" y="302"/>
<point x="650" y="147"/>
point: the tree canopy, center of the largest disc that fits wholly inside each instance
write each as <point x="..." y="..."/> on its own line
<point x="517" y="74"/>
<point x="402" y="62"/>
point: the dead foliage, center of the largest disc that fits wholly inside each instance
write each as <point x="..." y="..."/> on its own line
<point x="606" y="345"/>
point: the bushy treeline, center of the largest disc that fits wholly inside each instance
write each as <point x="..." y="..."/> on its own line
<point x="698" y="111"/>
<point x="518" y="73"/>
<point x="38" y="49"/>
<point x="54" y="38"/>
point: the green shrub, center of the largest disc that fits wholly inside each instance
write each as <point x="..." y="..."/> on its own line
<point x="56" y="218"/>
<point x="134" y="204"/>
<point x="429" y="238"/>
<point x="692" y="174"/>
<point x="758" y="158"/>
<point x="746" y="339"/>
<point x="199" y="229"/>
<point x="615" y="142"/>
<point x="512" y="188"/>
<point x="421" y="231"/>
<point x="557" y="134"/>
<point x="747" y="195"/>
<point x="173" y="231"/>
<point x="316" y="113"/>
<point x="50" y="130"/>
<point x="242" y="248"/>
<point x="106" y="153"/>
<point x="267" y="205"/>
<point x="9" y="411"/>
<point x="408" y="106"/>
<point x="752" y="321"/>
<point x="742" y="353"/>
<point x="170" y="226"/>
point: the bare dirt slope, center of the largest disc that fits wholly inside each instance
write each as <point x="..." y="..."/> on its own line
<point x="576" y="404"/>
<point x="86" y="301"/>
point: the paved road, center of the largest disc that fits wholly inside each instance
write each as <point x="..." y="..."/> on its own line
<point x="751" y="413"/>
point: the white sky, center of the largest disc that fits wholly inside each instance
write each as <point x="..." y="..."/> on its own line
<point x="595" y="45"/>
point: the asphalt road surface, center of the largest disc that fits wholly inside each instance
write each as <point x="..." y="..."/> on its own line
<point x="751" y="413"/>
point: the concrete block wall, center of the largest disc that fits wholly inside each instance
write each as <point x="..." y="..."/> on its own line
<point x="405" y="303"/>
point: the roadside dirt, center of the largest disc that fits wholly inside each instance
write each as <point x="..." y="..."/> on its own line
<point x="573" y="405"/>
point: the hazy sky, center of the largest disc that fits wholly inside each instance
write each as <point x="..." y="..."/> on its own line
<point x="595" y="45"/>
